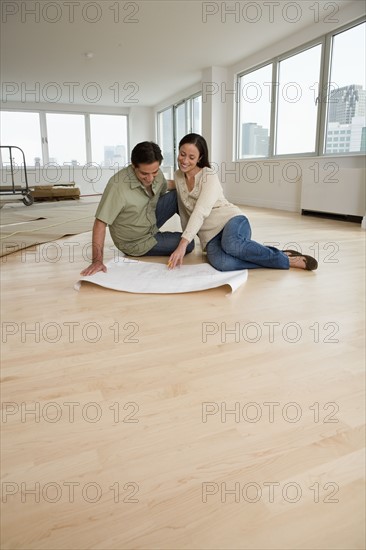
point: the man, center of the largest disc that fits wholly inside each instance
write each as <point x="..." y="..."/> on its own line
<point x="135" y="204"/>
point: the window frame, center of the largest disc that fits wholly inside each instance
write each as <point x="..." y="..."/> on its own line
<point x="87" y="132"/>
<point x="237" y="103"/>
<point x="171" y="109"/>
<point x="323" y="86"/>
<point x="188" y="102"/>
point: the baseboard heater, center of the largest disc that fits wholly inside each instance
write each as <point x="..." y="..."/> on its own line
<point x="332" y="216"/>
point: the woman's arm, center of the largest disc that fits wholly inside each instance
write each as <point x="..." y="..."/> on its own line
<point x="210" y="192"/>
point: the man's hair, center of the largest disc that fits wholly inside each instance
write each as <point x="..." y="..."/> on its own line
<point x="146" y="152"/>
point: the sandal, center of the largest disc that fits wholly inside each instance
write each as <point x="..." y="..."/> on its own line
<point x="310" y="263"/>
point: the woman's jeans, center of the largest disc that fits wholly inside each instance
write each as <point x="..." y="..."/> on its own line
<point x="167" y="241"/>
<point x="232" y="249"/>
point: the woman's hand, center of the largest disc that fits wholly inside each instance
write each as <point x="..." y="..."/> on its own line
<point x="176" y="259"/>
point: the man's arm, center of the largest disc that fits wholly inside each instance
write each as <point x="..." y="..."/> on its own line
<point x="99" y="230"/>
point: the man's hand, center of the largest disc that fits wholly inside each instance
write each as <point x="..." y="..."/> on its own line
<point x="94" y="268"/>
<point x="99" y="229"/>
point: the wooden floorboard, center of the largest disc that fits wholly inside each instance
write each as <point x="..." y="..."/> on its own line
<point x="204" y="420"/>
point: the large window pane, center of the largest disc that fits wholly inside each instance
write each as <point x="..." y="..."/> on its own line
<point x="346" y="101"/>
<point x="255" y="113"/>
<point x="66" y="139"/>
<point x="180" y="122"/>
<point x="197" y="114"/>
<point x="297" y="102"/>
<point x="21" y="130"/>
<point x="187" y="117"/>
<point x="166" y="141"/>
<point x="109" y="140"/>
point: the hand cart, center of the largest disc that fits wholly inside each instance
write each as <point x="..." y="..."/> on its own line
<point x="24" y="192"/>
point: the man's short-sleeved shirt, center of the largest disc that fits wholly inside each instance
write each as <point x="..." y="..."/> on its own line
<point x="129" y="211"/>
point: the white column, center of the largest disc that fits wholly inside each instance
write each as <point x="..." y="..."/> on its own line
<point x="141" y="124"/>
<point x="214" y="109"/>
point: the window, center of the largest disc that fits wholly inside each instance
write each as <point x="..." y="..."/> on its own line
<point x="173" y="124"/>
<point x="188" y="117"/>
<point x="346" y="100"/>
<point x="66" y="139"/>
<point x="28" y="139"/>
<point x="109" y="140"/>
<point x="181" y="125"/>
<point x="297" y="107"/>
<point x="296" y="102"/>
<point x="197" y="114"/>
<point x="63" y="139"/>
<point x="166" y="140"/>
<point x="255" y="113"/>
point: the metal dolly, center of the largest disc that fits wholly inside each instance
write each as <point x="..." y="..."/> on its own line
<point x="23" y="191"/>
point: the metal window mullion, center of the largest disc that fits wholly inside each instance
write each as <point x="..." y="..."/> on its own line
<point x="175" y="144"/>
<point x="186" y="111"/>
<point x="128" y="152"/>
<point x="44" y="138"/>
<point x="174" y="138"/>
<point x="171" y="111"/>
<point x="88" y="138"/>
<point x="237" y="105"/>
<point x="189" y="117"/>
<point x="274" y="109"/>
<point x="158" y="133"/>
<point x="323" y="95"/>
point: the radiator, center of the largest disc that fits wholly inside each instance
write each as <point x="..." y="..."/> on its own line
<point x="342" y="193"/>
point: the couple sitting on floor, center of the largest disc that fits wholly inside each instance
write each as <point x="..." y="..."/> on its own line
<point x="136" y="203"/>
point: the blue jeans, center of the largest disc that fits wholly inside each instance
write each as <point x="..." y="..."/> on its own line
<point x="232" y="249"/>
<point x="167" y="240"/>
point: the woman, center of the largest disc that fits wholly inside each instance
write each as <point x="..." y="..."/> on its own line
<point x="223" y="230"/>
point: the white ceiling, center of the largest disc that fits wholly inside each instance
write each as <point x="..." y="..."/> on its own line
<point x="161" y="53"/>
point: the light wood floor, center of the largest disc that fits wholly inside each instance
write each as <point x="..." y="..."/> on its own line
<point x="193" y="421"/>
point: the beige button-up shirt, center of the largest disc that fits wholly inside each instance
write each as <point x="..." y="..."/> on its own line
<point x="204" y="211"/>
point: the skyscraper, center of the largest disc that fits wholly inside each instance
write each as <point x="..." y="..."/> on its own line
<point x="346" y="120"/>
<point x="114" y="155"/>
<point x="255" y="140"/>
<point x="346" y="103"/>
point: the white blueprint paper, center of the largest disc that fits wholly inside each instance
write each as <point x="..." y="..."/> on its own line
<point x="136" y="276"/>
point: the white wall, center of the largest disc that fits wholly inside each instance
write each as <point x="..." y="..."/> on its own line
<point x="214" y="127"/>
<point x="90" y="180"/>
<point x="324" y="184"/>
<point x="141" y="125"/>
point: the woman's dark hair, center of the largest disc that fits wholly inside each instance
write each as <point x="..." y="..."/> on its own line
<point x="146" y="152"/>
<point x="201" y="145"/>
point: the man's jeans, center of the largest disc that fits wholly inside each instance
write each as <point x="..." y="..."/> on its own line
<point x="232" y="249"/>
<point x="167" y="240"/>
